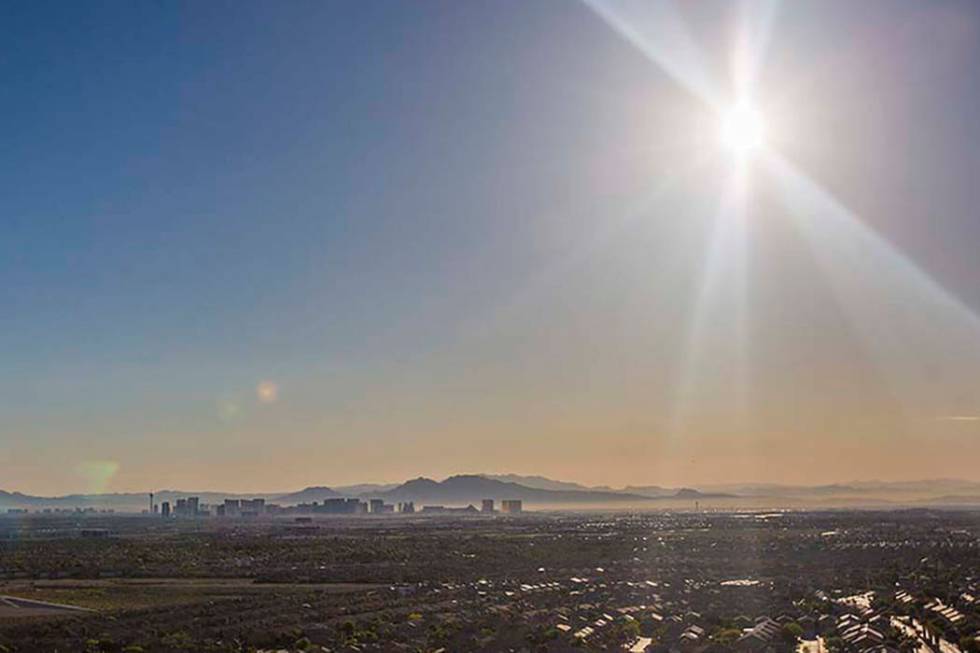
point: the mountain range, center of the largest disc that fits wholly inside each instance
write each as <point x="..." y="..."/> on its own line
<point x="544" y="492"/>
<point x="473" y="488"/>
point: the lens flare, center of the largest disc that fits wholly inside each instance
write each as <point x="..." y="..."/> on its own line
<point x="267" y="392"/>
<point x="97" y="474"/>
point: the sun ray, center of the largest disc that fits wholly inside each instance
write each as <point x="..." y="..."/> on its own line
<point x="658" y="30"/>
<point x="753" y="33"/>
<point x="725" y="259"/>
<point x="535" y="286"/>
<point x="924" y="340"/>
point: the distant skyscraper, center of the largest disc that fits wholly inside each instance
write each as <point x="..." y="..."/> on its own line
<point x="333" y="506"/>
<point x="354" y="506"/>
<point x="165" y="509"/>
<point x="511" y="506"/>
<point x="487" y="506"/>
<point x="376" y="506"/>
<point x="258" y="504"/>
<point x="252" y="507"/>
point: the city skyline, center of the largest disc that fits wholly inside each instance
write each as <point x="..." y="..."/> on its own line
<point x="619" y="243"/>
<point x="538" y="493"/>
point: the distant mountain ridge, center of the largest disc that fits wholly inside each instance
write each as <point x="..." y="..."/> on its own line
<point x="364" y="488"/>
<point x="472" y="488"/>
<point x="455" y="490"/>
<point x="121" y="501"/>
<point x="542" y="483"/>
<point x="539" y="490"/>
<point x="308" y="495"/>
<point x="934" y="488"/>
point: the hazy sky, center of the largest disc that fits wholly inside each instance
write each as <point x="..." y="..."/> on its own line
<point x="258" y="246"/>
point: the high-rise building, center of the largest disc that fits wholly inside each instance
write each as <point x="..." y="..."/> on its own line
<point x="253" y="505"/>
<point x="333" y="506"/>
<point x="165" y="509"/>
<point x="376" y="506"/>
<point x="353" y="506"/>
<point x="487" y="506"/>
<point x="511" y="506"/>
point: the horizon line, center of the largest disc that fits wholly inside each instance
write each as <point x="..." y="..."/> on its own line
<point x="622" y="488"/>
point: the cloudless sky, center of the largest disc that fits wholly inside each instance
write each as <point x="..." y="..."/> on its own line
<point x="258" y="246"/>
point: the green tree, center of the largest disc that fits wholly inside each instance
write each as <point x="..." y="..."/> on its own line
<point x="792" y="631"/>
<point x="727" y="636"/>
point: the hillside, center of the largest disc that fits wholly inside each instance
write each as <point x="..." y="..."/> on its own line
<point x="308" y="495"/>
<point x="472" y="488"/>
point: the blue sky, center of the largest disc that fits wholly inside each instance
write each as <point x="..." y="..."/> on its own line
<point x="441" y="231"/>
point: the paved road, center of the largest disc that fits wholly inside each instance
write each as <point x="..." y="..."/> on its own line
<point x="11" y="606"/>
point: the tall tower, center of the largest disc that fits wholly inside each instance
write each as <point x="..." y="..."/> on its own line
<point x="151" y="503"/>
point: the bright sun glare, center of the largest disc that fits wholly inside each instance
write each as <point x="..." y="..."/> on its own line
<point x="742" y="129"/>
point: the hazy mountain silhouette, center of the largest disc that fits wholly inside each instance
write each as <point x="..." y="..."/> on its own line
<point x="895" y="490"/>
<point x="122" y="501"/>
<point x="540" y="482"/>
<point x="364" y="488"/>
<point x="308" y="495"/>
<point x="471" y="488"/>
<point x="650" y="490"/>
<point x="543" y="483"/>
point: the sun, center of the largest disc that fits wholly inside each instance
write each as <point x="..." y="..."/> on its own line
<point x="743" y="130"/>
